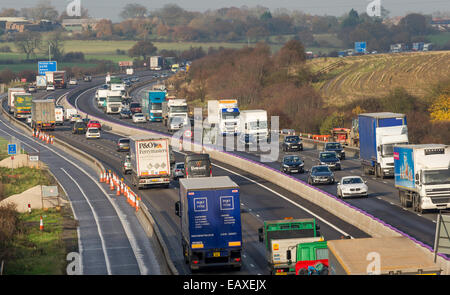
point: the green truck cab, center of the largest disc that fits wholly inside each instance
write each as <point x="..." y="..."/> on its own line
<point x="280" y="236"/>
<point x="312" y="258"/>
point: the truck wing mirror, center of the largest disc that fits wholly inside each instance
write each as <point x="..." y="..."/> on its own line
<point x="417" y="176"/>
<point x="288" y="255"/>
<point x="261" y="234"/>
<point x="177" y="209"/>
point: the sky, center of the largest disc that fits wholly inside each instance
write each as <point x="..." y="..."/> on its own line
<point x="111" y="8"/>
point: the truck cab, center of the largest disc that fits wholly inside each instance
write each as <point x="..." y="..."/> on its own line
<point x="225" y="114"/>
<point x="174" y="107"/>
<point x="154" y="105"/>
<point x="198" y="165"/>
<point x="253" y="126"/>
<point x="113" y="102"/>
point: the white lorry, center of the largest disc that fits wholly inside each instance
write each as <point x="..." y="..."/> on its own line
<point x="113" y="102"/>
<point x="100" y="96"/>
<point x="41" y="82"/>
<point x="119" y="87"/>
<point x="156" y="63"/>
<point x="11" y="91"/>
<point x="150" y="161"/>
<point x="253" y="126"/>
<point x="59" y="115"/>
<point x="129" y="71"/>
<point x="68" y="114"/>
<point x="422" y="175"/>
<point x="225" y="114"/>
<point x="174" y="108"/>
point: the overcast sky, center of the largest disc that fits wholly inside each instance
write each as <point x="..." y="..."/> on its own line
<point x="111" y="8"/>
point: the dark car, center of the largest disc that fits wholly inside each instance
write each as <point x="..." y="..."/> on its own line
<point x="292" y="164"/>
<point x="292" y="143"/>
<point x="197" y="165"/>
<point x="330" y="159"/>
<point x="87" y="78"/>
<point x="123" y="144"/>
<point x="135" y="107"/>
<point x="320" y="174"/>
<point x="79" y="127"/>
<point x="125" y="114"/>
<point x="335" y="147"/>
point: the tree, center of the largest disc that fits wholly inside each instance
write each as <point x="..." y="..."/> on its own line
<point x="142" y="48"/>
<point x="54" y="40"/>
<point x="292" y="53"/>
<point x="104" y="28"/>
<point x="133" y="10"/>
<point x="352" y="20"/>
<point x="42" y="10"/>
<point x="415" y="24"/>
<point x="28" y="42"/>
<point x="440" y="110"/>
<point x="9" y="12"/>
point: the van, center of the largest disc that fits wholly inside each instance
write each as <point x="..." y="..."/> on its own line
<point x="197" y="165"/>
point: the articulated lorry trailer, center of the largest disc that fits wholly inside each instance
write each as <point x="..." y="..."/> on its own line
<point x="422" y="176"/>
<point x="378" y="133"/>
<point x="21" y="105"/>
<point x="11" y="91"/>
<point x="150" y="161"/>
<point x="43" y="114"/>
<point x="58" y="79"/>
<point x="281" y="236"/>
<point x="210" y="214"/>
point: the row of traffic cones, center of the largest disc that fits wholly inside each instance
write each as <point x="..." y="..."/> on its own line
<point x="119" y="186"/>
<point x="39" y="134"/>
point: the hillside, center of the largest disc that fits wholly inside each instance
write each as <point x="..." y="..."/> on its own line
<point x="375" y="75"/>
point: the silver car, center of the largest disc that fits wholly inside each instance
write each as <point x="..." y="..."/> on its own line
<point x="178" y="170"/>
<point x="352" y="186"/>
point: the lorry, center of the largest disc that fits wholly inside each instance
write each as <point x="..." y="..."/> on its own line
<point x="395" y="255"/>
<point x="11" y="91"/>
<point x="197" y="165"/>
<point x="253" y="126"/>
<point x="422" y="176"/>
<point x="43" y="114"/>
<point x="49" y="78"/>
<point x="210" y="215"/>
<point x="152" y="105"/>
<point x="118" y="87"/>
<point x="378" y="133"/>
<point x="174" y="108"/>
<point x="156" y="63"/>
<point x="113" y="102"/>
<point x="21" y="104"/>
<point x="100" y="96"/>
<point x="130" y="71"/>
<point x="150" y="161"/>
<point x="280" y="236"/>
<point x="225" y="114"/>
<point x="312" y="258"/>
<point x="59" y="79"/>
<point x="41" y="82"/>
<point x="59" y="115"/>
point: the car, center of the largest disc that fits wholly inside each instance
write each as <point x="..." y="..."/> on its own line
<point x="135" y="107"/>
<point x="330" y="159"/>
<point x="292" y="143"/>
<point x="50" y="87"/>
<point x="134" y="79"/>
<point x="335" y="147"/>
<point x="139" y="118"/>
<point x="352" y="186"/>
<point x="79" y="127"/>
<point x="176" y="123"/>
<point x="92" y="133"/>
<point x="32" y="89"/>
<point x="94" y="124"/>
<point x="125" y="113"/>
<point x="123" y="144"/>
<point x="126" y="165"/>
<point x="292" y="164"/>
<point x="87" y="78"/>
<point x="74" y="118"/>
<point x="28" y="119"/>
<point x="73" y="81"/>
<point x="178" y="170"/>
<point x="320" y="174"/>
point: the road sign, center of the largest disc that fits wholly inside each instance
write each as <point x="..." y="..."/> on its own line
<point x="12" y="149"/>
<point x="47" y="66"/>
<point x="442" y="237"/>
<point x="187" y="133"/>
<point x="360" y="47"/>
<point x="33" y="158"/>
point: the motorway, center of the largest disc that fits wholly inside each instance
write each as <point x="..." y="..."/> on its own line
<point x="382" y="201"/>
<point x="260" y="200"/>
<point x="111" y="240"/>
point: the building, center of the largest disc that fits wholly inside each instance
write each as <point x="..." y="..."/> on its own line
<point x="441" y="24"/>
<point x="79" y="25"/>
<point x="20" y="25"/>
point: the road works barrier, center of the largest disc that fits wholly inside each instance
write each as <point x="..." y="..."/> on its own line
<point x="355" y="216"/>
<point x="143" y="214"/>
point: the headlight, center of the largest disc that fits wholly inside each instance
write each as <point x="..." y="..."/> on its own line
<point x="322" y="163"/>
<point x="302" y="164"/>
<point x="285" y="166"/>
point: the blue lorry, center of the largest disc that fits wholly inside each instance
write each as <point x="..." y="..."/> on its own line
<point x="378" y="133"/>
<point x="152" y="105"/>
<point x="210" y="214"/>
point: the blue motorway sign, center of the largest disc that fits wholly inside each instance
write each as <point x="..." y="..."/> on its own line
<point x="46" y="66"/>
<point x="12" y="149"/>
<point x="360" y="47"/>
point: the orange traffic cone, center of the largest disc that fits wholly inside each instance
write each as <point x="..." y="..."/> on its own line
<point x="137" y="204"/>
<point x="41" y="224"/>
<point x="111" y="184"/>
<point x="51" y="139"/>
<point x="48" y="139"/>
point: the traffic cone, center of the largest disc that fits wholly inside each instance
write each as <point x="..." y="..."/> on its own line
<point x="48" y="139"/>
<point x="51" y="139"/>
<point x="118" y="191"/>
<point x="29" y="208"/>
<point x="111" y="184"/>
<point x="125" y="193"/>
<point x="41" y="224"/>
<point x="101" y="177"/>
<point x="137" y="204"/>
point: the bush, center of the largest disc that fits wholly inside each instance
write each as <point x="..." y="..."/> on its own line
<point x="5" y="48"/>
<point x="9" y="221"/>
<point x="74" y="57"/>
<point x="120" y="52"/>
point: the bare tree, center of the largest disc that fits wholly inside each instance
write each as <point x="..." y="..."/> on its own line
<point x="28" y="43"/>
<point x="133" y="10"/>
<point x="42" y="10"/>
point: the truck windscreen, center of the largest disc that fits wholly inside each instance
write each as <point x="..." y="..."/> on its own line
<point x="178" y="109"/>
<point x="258" y="125"/>
<point x="114" y="99"/>
<point x="433" y="177"/>
<point x="388" y="149"/>
<point x="156" y="106"/>
<point x="230" y="115"/>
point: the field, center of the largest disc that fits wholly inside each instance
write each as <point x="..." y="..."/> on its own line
<point x="375" y="75"/>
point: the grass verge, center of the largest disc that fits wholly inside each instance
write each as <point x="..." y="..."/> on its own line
<point x="16" y="181"/>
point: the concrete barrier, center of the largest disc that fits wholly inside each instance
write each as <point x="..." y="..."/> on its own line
<point x="355" y="216"/>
